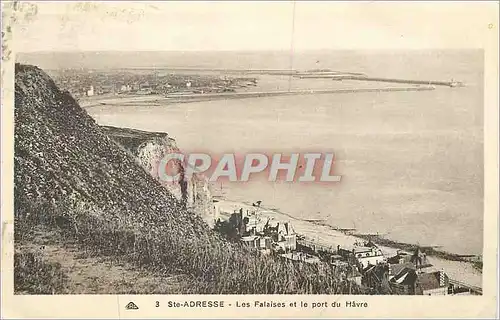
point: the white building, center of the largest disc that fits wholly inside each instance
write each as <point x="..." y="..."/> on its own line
<point x="216" y="212"/>
<point x="90" y="92"/>
<point x="125" y="88"/>
<point x="287" y="238"/>
<point x="367" y="255"/>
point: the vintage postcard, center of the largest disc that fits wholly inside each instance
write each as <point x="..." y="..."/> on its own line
<point x="286" y="159"/>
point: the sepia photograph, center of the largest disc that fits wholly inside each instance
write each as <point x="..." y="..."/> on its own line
<point x="245" y="148"/>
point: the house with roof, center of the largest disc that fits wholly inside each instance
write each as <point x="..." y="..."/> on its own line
<point x="375" y="277"/>
<point x="404" y="282"/>
<point x="283" y="234"/>
<point x="418" y="259"/>
<point x="287" y="238"/>
<point x="401" y="257"/>
<point x="363" y="255"/>
<point x="433" y="283"/>
<point x="396" y="268"/>
<point x="409" y="281"/>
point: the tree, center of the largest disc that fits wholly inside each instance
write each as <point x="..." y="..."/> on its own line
<point x="417" y="258"/>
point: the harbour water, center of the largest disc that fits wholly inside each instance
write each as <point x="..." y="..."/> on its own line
<point x="411" y="162"/>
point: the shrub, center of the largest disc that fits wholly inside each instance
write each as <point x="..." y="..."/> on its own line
<point x="34" y="275"/>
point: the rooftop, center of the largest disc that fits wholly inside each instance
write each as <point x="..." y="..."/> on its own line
<point x="429" y="281"/>
<point x="397" y="267"/>
<point x="406" y="276"/>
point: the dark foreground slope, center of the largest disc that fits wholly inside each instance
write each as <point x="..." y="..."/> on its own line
<point x="70" y="177"/>
<point x="61" y="154"/>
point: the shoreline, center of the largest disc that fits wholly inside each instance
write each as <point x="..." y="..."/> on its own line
<point x="178" y="98"/>
<point x="327" y="235"/>
<point x="409" y="247"/>
<point x="379" y="240"/>
<point x="405" y="246"/>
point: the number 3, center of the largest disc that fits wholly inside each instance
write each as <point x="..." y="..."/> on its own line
<point x="157" y="304"/>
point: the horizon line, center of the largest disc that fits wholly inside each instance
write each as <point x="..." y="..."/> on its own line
<point x="249" y="50"/>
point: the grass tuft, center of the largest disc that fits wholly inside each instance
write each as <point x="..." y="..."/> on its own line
<point x="34" y="275"/>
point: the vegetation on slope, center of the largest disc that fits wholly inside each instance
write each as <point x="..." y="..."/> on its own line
<point x="32" y="274"/>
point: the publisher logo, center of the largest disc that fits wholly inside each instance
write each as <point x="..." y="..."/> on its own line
<point x="131" y="306"/>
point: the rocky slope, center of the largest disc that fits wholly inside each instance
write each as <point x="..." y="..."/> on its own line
<point x="62" y="155"/>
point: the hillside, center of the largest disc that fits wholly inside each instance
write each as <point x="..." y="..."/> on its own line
<point x="61" y="154"/>
<point x="73" y="180"/>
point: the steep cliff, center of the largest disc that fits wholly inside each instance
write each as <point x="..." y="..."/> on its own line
<point x="149" y="148"/>
<point x="62" y="155"/>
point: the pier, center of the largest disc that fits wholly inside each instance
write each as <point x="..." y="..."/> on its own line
<point x="377" y="79"/>
<point x="328" y="73"/>
<point x="239" y="95"/>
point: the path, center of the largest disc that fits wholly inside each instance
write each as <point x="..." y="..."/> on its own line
<point x="97" y="275"/>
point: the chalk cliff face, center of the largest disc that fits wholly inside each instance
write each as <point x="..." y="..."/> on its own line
<point x="149" y="148"/>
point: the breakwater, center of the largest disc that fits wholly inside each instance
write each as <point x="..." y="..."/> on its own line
<point x="377" y="79"/>
<point x="327" y="73"/>
<point x="240" y="95"/>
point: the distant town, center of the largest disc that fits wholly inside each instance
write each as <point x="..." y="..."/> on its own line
<point x="87" y="83"/>
<point x="193" y="83"/>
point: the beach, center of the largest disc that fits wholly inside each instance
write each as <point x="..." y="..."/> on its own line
<point x="324" y="235"/>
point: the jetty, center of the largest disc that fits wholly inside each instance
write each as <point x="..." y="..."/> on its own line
<point x="328" y="73"/>
<point x="240" y="95"/>
<point x="378" y="79"/>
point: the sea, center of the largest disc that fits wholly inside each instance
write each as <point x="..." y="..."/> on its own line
<point x="411" y="162"/>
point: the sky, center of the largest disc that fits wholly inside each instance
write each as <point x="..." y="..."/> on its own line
<point x="283" y="25"/>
